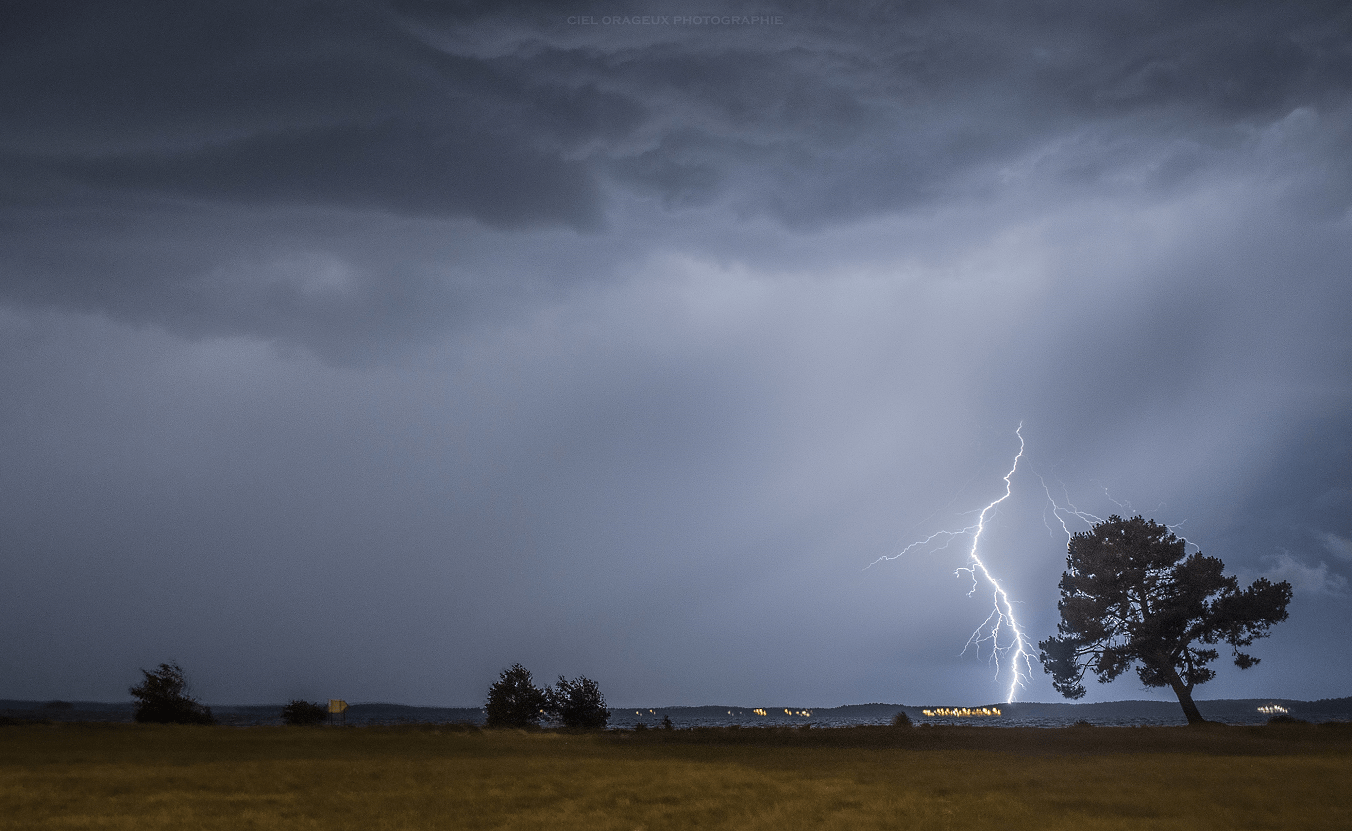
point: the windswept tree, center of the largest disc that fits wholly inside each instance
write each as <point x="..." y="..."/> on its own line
<point x="514" y="700"/>
<point x="163" y="698"/>
<point x="1132" y="596"/>
<point x="578" y="703"/>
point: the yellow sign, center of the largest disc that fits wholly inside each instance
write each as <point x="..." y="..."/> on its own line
<point x="337" y="705"/>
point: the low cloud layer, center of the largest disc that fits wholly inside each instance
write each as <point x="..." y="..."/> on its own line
<point x="1306" y="579"/>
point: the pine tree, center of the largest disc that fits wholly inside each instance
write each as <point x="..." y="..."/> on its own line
<point x="514" y="701"/>
<point x="578" y="703"/>
<point x="1132" y="596"/>
<point x="163" y="698"/>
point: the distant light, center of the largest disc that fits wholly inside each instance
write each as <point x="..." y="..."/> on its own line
<point x="962" y="712"/>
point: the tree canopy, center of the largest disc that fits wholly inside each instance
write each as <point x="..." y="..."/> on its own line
<point x="578" y="703"/>
<point x="163" y="698"/>
<point x="1132" y="596"/>
<point x="514" y="700"/>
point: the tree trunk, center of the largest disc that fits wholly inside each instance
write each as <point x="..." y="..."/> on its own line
<point x="1184" y="694"/>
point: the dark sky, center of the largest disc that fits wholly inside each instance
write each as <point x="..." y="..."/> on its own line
<point x="362" y="350"/>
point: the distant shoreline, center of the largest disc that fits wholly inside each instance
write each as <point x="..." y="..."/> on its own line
<point x="1019" y="714"/>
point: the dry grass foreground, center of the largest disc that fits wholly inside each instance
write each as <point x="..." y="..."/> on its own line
<point x="149" y="777"/>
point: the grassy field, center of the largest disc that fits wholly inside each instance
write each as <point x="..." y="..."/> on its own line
<point x="149" y="777"/>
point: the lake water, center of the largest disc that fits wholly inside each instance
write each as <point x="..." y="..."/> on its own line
<point x="1117" y="713"/>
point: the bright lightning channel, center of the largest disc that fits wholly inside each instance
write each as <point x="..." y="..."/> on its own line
<point x="1016" y="651"/>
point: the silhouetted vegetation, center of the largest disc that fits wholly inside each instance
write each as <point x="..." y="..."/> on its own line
<point x="514" y="700"/>
<point x="666" y="723"/>
<point x="901" y="719"/>
<point x="162" y="698"/>
<point x="577" y="703"/>
<point x="1131" y="595"/>
<point x="302" y="712"/>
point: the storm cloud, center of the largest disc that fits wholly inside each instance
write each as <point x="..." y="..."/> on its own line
<point x="365" y="349"/>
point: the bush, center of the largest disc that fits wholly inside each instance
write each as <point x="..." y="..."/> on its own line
<point x="578" y="703"/>
<point x="514" y="700"/>
<point x="901" y="719"/>
<point x="162" y="698"/>
<point x="304" y="712"/>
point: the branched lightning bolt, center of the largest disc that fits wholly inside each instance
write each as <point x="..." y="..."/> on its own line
<point x="1015" y="648"/>
<point x="1069" y="509"/>
<point x="1020" y="659"/>
<point x="1011" y="646"/>
<point x="1063" y="510"/>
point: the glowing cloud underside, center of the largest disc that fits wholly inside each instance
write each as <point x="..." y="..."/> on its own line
<point x="1000" y="630"/>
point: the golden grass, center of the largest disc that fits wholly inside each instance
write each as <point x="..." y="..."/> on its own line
<point x="150" y="777"/>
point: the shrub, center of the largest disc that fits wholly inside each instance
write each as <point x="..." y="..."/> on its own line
<point x="514" y="700"/>
<point x="901" y="719"/>
<point x="299" y="711"/>
<point x="578" y="703"/>
<point x="162" y="698"/>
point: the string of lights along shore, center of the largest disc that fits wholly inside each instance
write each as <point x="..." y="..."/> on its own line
<point x="961" y="712"/>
